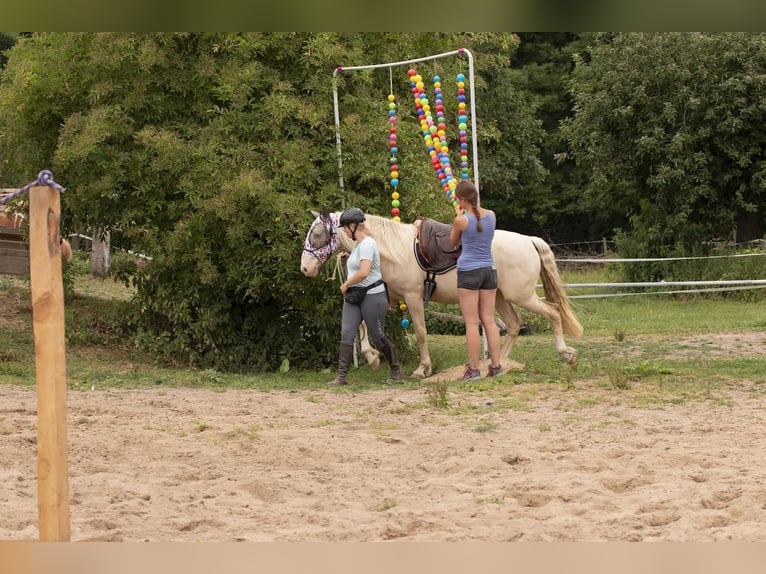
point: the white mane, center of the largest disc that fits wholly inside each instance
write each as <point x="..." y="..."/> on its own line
<point x="394" y="238"/>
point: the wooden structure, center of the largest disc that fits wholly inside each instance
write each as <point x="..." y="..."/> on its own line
<point x="50" y="363"/>
<point x="14" y="252"/>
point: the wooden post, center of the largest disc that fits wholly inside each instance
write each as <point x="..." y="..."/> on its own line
<point x="50" y="363"/>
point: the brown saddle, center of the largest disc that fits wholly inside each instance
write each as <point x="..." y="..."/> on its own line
<point x="434" y="252"/>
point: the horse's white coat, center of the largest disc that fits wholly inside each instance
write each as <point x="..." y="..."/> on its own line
<point x="520" y="261"/>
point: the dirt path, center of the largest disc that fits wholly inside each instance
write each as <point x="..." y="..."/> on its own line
<point x="189" y="464"/>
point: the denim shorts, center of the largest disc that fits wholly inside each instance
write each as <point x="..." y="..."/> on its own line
<point x="475" y="279"/>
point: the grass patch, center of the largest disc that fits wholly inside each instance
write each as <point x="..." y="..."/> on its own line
<point x="649" y="352"/>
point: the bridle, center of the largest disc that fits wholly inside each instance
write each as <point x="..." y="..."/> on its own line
<point x="329" y="245"/>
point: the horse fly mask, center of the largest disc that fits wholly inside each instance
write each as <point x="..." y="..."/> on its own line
<point x="322" y="239"/>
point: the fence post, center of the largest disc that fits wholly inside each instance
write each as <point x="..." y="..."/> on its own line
<point x="50" y="363"/>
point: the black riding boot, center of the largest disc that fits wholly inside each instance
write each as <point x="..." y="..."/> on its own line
<point x="345" y="357"/>
<point x="389" y="353"/>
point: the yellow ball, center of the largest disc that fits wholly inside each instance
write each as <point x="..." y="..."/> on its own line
<point x="402" y="306"/>
<point x="397" y="218"/>
<point x="395" y="195"/>
<point x="391" y="97"/>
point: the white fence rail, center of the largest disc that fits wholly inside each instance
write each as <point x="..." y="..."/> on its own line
<point x="707" y="286"/>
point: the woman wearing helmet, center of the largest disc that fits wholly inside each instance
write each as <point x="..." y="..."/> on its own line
<point x="371" y="298"/>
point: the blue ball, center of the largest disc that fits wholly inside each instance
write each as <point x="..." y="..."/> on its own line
<point x="405" y="323"/>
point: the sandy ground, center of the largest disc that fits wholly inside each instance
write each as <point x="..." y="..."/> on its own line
<point x="160" y="464"/>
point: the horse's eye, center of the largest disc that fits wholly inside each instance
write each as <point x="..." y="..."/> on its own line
<point x="319" y="237"/>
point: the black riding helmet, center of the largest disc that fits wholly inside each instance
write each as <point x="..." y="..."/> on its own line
<point x="351" y="215"/>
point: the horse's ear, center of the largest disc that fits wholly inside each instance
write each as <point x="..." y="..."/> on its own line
<point x="325" y="213"/>
<point x="313" y="213"/>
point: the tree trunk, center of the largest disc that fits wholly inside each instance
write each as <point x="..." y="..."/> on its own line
<point x="101" y="257"/>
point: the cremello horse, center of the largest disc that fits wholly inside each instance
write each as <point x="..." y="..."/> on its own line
<point x="520" y="261"/>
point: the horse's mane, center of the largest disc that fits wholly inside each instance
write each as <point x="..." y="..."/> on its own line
<point x="394" y="238"/>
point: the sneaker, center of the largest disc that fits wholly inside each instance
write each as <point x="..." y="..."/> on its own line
<point x="471" y="374"/>
<point x="495" y="371"/>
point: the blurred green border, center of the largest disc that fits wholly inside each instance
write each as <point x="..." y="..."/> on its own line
<point x="338" y="15"/>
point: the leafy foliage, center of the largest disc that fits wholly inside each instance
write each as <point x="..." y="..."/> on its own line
<point x="204" y="151"/>
<point x="672" y="127"/>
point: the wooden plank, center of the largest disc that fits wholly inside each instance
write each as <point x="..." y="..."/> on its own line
<point x="50" y="364"/>
<point x="14" y="258"/>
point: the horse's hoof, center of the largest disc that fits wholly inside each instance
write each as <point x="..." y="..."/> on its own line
<point x="570" y="357"/>
<point x="375" y="362"/>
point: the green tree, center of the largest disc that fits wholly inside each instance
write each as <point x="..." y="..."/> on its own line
<point x="555" y="206"/>
<point x="672" y="127"/>
<point x="205" y="151"/>
<point x="7" y="40"/>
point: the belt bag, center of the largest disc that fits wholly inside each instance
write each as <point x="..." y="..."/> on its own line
<point x="355" y="295"/>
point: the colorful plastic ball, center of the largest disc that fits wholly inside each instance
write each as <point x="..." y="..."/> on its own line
<point x="397" y="219"/>
<point x="402" y="306"/>
<point x="460" y="78"/>
<point x="395" y="195"/>
<point x="395" y="202"/>
<point x="391" y="97"/>
<point x="411" y="72"/>
<point x="394" y="173"/>
<point x="394" y="149"/>
<point x="394" y="183"/>
<point x="392" y="160"/>
<point x="395" y="211"/>
<point x="405" y="323"/>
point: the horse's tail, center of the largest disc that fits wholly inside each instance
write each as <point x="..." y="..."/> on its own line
<point x="66" y="250"/>
<point x="554" y="288"/>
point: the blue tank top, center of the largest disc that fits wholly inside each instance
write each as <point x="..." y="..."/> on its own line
<point x="477" y="245"/>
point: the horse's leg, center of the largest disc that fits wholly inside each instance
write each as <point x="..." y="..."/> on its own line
<point x="512" y="324"/>
<point x="418" y="317"/>
<point x="550" y="310"/>
<point x="371" y="355"/>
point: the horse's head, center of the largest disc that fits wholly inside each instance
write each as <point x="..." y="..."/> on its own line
<point x="321" y="242"/>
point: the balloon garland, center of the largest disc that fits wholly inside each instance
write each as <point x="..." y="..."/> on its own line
<point x="394" y="179"/>
<point x="392" y="160"/>
<point x="462" y="126"/>
<point x="435" y="133"/>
